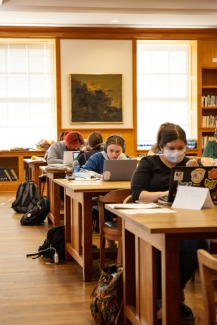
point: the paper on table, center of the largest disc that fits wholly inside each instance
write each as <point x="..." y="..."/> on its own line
<point x="147" y="211"/>
<point x="193" y="198"/>
<point x="79" y="179"/>
<point x="84" y="182"/>
<point x="135" y="206"/>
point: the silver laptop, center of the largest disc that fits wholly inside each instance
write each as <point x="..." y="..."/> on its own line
<point x="69" y="156"/>
<point x="118" y="170"/>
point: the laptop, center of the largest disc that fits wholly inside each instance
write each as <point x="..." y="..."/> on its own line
<point x="199" y="176"/>
<point x="118" y="170"/>
<point x="69" y="156"/>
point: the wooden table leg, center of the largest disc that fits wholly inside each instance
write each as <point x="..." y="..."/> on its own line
<point x="87" y="237"/>
<point x="171" y="279"/>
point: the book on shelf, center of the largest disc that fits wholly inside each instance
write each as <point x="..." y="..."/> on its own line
<point x="3" y="176"/>
<point x="12" y="173"/>
<point x="7" y="174"/>
<point x="209" y="121"/>
<point x="209" y="101"/>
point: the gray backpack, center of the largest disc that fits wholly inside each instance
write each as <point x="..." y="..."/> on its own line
<point x="27" y="197"/>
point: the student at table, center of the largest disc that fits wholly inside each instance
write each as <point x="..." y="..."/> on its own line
<point x="211" y="147"/>
<point x="94" y="145"/>
<point x="150" y="182"/>
<point x="61" y="138"/>
<point x="154" y="148"/>
<point x="114" y="149"/>
<point x="72" y="141"/>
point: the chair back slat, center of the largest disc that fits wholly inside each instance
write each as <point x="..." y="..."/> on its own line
<point x="207" y="263"/>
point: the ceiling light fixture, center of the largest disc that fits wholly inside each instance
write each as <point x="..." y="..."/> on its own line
<point x="114" y="21"/>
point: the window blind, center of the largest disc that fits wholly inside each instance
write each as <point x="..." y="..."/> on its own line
<point x="27" y="93"/>
<point x="163" y="89"/>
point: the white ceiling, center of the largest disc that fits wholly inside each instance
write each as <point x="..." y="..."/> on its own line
<point x="100" y="13"/>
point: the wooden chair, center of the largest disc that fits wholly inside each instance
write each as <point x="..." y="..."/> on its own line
<point x="106" y="232"/>
<point x="129" y="199"/>
<point x="206" y="314"/>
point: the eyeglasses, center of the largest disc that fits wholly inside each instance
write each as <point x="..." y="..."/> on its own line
<point x="172" y="148"/>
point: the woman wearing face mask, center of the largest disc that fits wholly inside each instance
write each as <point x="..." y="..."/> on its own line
<point x="150" y="182"/>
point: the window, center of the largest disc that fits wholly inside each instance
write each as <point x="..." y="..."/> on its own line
<point x="27" y="92"/>
<point x="163" y="89"/>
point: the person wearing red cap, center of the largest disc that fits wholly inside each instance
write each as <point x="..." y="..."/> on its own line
<point x="72" y="141"/>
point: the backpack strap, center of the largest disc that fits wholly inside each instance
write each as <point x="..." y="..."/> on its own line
<point x="19" y="194"/>
<point x="37" y="255"/>
<point x="32" y="190"/>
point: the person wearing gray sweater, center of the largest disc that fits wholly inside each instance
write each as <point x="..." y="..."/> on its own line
<point x="73" y="141"/>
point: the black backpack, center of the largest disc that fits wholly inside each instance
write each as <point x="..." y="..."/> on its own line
<point x="54" y="243"/>
<point x="27" y="197"/>
<point x="37" y="214"/>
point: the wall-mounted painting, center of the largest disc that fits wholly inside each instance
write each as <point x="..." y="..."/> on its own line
<point x="96" y="98"/>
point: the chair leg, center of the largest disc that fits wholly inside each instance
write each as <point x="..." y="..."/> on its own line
<point x="42" y="188"/>
<point x="102" y="252"/>
<point x="182" y="295"/>
<point x="119" y="257"/>
<point x="193" y="278"/>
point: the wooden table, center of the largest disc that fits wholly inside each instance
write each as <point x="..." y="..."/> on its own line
<point x="142" y="235"/>
<point x="78" y="218"/>
<point x="53" y="194"/>
<point x="34" y="170"/>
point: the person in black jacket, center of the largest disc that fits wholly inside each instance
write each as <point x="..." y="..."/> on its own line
<point x="150" y="182"/>
<point x="94" y="145"/>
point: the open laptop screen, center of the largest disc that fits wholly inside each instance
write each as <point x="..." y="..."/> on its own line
<point x="69" y="156"/>
<point x="119" y="170"/>
<point x="199" y="176"/>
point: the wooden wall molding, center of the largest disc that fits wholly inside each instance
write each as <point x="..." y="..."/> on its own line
<point x="107" y="33"/>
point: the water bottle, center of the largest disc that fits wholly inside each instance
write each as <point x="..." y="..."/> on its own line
<point x="76" y="166"/>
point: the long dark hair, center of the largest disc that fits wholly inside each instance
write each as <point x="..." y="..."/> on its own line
<point x="169" y="133"/>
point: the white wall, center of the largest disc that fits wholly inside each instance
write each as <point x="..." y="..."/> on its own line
<point x="96" y="56"/>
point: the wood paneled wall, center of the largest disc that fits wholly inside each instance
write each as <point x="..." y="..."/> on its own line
<point x="127" y="134"/>
<point x="207" y="46"/>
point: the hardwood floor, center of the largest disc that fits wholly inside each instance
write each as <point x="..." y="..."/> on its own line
<point x="34" y="292"/>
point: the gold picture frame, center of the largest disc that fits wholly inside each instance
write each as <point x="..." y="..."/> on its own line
<point x="96" y="98"/>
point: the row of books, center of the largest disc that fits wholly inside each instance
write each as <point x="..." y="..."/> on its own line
<point x="209" y="121"/>
<point x="7" y="174"/>
<point x="209" y="101"/>
<point x="205" y="139"/>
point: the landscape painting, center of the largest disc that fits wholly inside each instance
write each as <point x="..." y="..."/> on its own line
<point x="96" y="98"/>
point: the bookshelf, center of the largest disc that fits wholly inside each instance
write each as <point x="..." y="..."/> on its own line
<point x="207" y="104"/>
<point x="15" y="160"/>
<point x="207" y="91"/>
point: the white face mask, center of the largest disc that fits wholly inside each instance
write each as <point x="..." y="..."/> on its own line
<point x="174" y="156"/>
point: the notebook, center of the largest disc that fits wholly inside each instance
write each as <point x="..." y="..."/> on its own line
<point x="199" y="176"/>
<point x="118" y="170"/>
<point x="69" y="156"/>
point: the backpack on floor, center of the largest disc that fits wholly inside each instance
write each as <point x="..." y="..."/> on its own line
<point x="107" y="297"/>
<point x="37" y="214"/>
<point x="26" y="197"/>
<point x="54" y="243"/>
